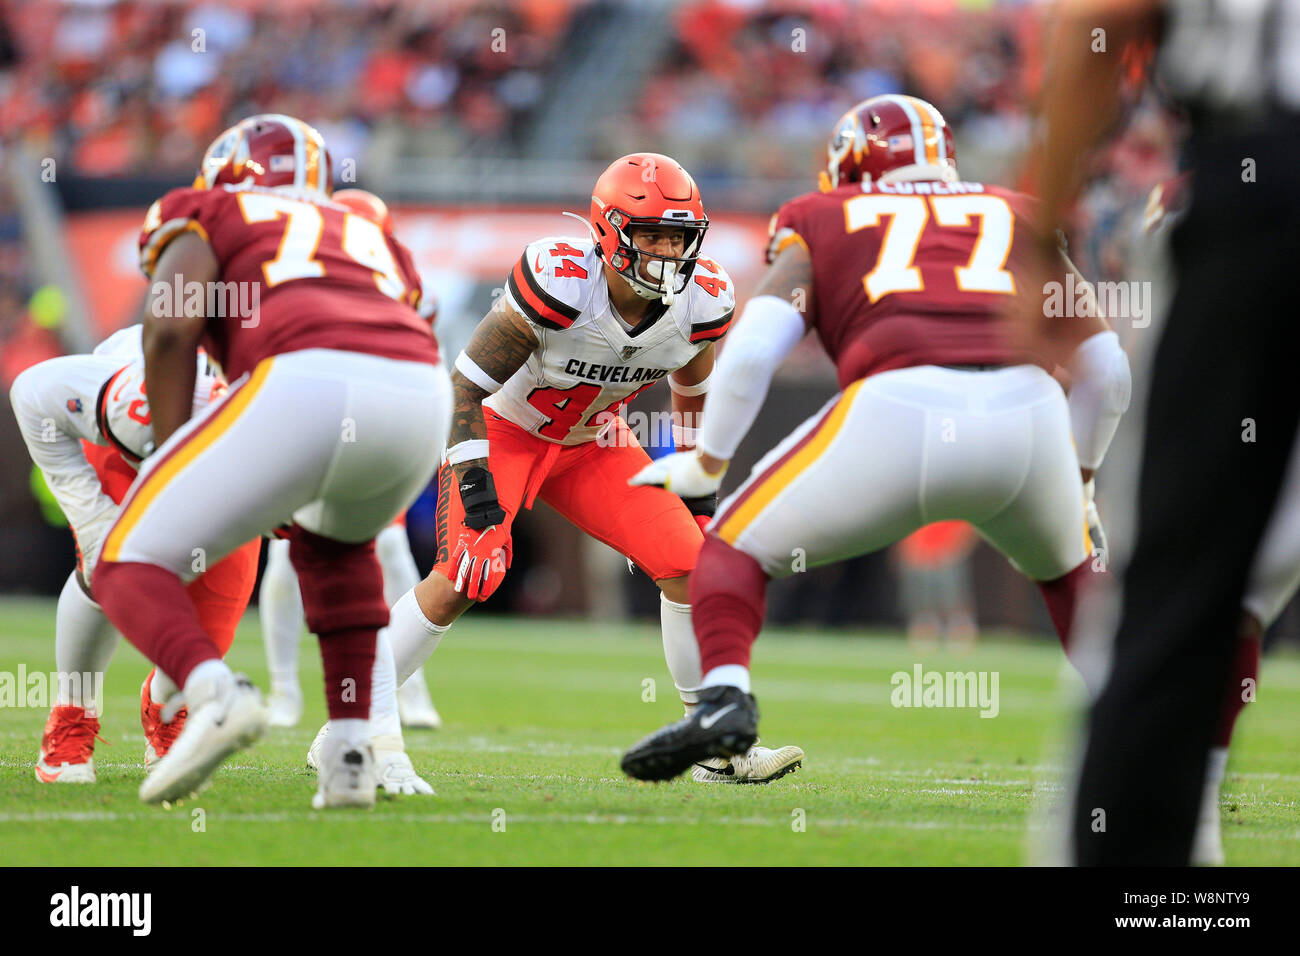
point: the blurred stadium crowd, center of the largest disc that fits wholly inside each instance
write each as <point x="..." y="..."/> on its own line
<point x="115" y="88"/>
<point x="752" y="76"/>
<point x="740" y="89"/>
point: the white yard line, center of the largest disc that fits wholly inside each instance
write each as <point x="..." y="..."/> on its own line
<point x="593" y="819"/>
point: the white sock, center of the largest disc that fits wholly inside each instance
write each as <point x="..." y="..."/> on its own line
<point x="411" y="635"/>
<point x="393" y="549"/>
<point x="162" y="688"/>
<point x="681" y="650"/>
<point x="384" y="719"/>
<point x="279" y="607"/>
<point x="205" y="683"/>
<point x="733" y="675"/>
<point x="352" y="730"/>
<point x="84" y="642"/>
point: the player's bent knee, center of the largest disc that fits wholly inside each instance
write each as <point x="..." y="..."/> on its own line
<point x="342" y="586"/>
<point x="676" y="589"/>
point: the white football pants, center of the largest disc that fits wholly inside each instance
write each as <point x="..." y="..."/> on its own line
<point x="901" y="449"/>
<point x="337" y="441"/>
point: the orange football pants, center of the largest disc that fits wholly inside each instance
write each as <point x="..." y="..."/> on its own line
<point x="585" y="483"/>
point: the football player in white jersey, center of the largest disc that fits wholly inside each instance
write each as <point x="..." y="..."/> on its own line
<point x="586" y="324"/>
<point x="86" y="422"/>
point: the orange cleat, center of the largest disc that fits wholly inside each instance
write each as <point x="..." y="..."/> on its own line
<point x="158" y="736"/>
<point x="68" y="747"/>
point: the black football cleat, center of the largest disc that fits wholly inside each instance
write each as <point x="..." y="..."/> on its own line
<point x="724" y="724"/>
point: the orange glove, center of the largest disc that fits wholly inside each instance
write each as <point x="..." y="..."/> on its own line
<point x="480" y="560"/>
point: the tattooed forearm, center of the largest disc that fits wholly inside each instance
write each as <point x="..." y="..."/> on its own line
<point x="466" y="418"/>
<point x="500" y="346"/>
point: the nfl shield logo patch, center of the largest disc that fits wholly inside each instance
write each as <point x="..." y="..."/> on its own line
<point x="629" y="351"/>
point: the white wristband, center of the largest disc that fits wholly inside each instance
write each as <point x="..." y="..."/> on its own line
<point x="469" y="368"/>
<point x="467" y="450"/>
<point x="689" y="391"/>
<point x="684" y="436"/>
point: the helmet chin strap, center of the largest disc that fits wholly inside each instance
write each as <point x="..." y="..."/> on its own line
<point x="667" y="279"/>
<point x="665" y="273"/>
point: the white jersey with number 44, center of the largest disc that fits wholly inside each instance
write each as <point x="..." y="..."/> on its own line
<point x="588" y="363"/>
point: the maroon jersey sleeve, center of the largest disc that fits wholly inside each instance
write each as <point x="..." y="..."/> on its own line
<point x="296" y="273"/>
<point x="178" y="212"/>
<point x="911" y="273"/>
<point x="420" y="299"/>
<point x="794" y="223"/>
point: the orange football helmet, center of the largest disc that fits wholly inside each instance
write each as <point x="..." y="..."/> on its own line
<point x="886" y="133"/>
<point x="269" y="149"/>
<point x="647" y="189"/>
<point x="366" y="205"/>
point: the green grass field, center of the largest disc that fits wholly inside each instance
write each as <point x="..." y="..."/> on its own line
<point x="537" y="715"/>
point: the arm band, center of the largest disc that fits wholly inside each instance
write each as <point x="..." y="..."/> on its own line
<point x="469" y="368"/>
<point x="467" y="450"/>
<point x="1099" y="395"/>
<point x="689" y="391"/>
<point x="685" y="436"/>
<point x="768" y="330"/>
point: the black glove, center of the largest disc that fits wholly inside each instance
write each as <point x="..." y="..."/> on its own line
<point x="478" y="493"/>
<point x="703" y="507"/>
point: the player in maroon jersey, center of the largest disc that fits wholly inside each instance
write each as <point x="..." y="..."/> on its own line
<point x="902" y="268"/>
<point x="335" y="419"/>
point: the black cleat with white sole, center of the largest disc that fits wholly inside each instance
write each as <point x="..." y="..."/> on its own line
<point x="724" y="724"/>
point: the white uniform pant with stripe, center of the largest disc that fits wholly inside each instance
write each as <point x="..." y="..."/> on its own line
<point x="336" y="441"/>
<point x="901" y="449"/>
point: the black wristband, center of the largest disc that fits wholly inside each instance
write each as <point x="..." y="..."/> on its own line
<point x="478" y="494"/>
<point x="705" y="506"/>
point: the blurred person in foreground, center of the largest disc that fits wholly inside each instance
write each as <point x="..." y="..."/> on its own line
<point x="1222" y="408"/>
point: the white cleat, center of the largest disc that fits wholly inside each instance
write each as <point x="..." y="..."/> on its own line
<point x="756" y="765"/>
<point x="285" y="706"/>
<point x="65" y="772"/>
<point x="347" y="775"/>
<point x="313" y="752"/>
<point x="1207" y="845"/>
<point x="228" y="717"/>
<point x="393" y="767"/>
<point x="415" y="705"/>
